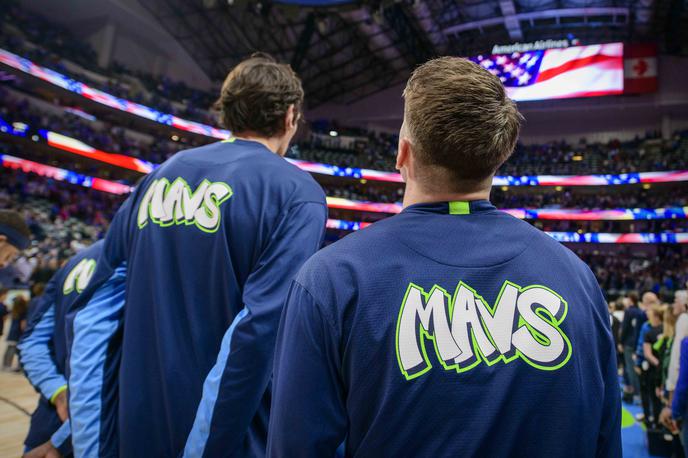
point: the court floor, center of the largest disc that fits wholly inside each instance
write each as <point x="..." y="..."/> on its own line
<point x="17" y="400"/>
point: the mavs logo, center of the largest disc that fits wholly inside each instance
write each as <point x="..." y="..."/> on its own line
<point x="166" y="203"/>
<point x="78" y="278"/>
<point x="524" y="323"/>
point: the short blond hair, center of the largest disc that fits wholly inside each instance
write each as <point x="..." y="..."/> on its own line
<point x="460" y="119"/>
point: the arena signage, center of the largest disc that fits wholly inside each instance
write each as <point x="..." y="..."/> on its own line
<point x="534" y="46"/>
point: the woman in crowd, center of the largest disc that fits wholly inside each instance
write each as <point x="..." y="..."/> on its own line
<point x="652" y="365"/>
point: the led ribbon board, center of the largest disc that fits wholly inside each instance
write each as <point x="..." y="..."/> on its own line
<point x="82" y="89"/>
<point x="15" y="163"/>
<point x="112" y="187"/>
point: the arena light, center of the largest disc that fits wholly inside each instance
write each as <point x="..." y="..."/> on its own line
<point x="563" y="237"/>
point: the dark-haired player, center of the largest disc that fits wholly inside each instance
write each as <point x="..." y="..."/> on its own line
<point x="451" y="329"/>
<point x="208" y="243"/>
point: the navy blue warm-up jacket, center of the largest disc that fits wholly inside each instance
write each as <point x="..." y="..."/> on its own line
<point x="451" y="329"/>
<point x="43" y="348"/>
<point x="208" y="243"/>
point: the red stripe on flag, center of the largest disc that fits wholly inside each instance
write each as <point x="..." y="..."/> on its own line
<point x="589" y="94"/>
<point x="575" y="64"/>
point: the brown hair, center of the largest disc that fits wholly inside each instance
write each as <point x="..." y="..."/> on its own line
<point x="669" y="322"/>
<point x="19" y="307"/>
<point x="633" y="297"/>
<point x="256" y="95"/>
<point x="460" y="119"/>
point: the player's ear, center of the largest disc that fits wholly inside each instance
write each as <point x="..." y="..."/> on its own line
<point x="403" y="153"/>
<point x="291" y="119"/>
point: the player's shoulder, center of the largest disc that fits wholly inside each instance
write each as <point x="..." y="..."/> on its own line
<point x="543" y="248"/>
<point x="351" y="255"/>
<point x="252" y="163"/>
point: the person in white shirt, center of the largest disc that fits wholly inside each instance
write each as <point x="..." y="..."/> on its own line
<point x="680" y="307"/>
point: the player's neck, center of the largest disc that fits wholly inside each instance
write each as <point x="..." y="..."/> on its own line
<point x="272" y="143"/>
<point x="416" y="195"/>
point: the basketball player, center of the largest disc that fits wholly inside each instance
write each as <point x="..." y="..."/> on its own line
<point x="452" y="329"/>
<point x="209" y="243"/>
<point x="43" y="351"/>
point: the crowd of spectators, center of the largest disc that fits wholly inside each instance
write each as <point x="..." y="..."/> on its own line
<point x="62" y="217"/>
<point x="378" y="150"/>
<point x="651" y="335"/>
<point x="644" y="154"/>
<point x="625" y="269"/>
<point x="46" y="43"/>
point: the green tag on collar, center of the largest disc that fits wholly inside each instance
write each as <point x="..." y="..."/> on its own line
<point x="459" y="208"/>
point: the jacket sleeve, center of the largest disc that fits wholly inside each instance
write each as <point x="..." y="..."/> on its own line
<point x="307" y="384"/>
<point x="91" y="377"/>
<point x="93" y="321"/>
<point x="233" y="388"/>
<point x="678" y="406"/>
<point x="35" y="352"/>
<point x="61" y="439"/>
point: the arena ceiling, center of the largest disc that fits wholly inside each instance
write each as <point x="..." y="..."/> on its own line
<point x="345" y="51"/>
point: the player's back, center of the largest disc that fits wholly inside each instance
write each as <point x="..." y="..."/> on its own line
<point x="465" y="334"/>
<point x="197" y="229"/>
<point x="60" y="292"/>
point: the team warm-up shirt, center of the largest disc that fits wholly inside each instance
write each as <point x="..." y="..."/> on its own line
<point x="211" y="241"/>
<point x="451" y="329"/>
<point x="43" y="347"/>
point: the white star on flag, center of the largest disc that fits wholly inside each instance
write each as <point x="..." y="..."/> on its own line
<point x="523" y="79"/>
<point x="501" y="60"/>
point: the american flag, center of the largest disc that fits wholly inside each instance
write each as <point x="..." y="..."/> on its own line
<point x="577" y="71"/>
<point x="514" y="70"/>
